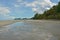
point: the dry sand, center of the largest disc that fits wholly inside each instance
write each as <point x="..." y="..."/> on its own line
<point x="7" y="22"/>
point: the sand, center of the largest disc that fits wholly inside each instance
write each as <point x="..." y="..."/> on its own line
<point x="7" y="22"/>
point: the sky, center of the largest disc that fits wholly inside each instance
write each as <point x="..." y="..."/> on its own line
<point x="10" y="9"/>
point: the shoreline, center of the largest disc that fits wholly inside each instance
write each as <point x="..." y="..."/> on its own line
<point x="8" y="22"/>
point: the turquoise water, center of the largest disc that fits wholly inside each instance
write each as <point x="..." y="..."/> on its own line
<point x="30" y="31"/>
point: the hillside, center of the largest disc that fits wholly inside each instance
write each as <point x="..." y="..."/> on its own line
<point x="52" y="13"/>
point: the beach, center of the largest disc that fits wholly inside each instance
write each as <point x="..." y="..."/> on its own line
<point x="7" y="22"/>
<point x="30" y="30"/>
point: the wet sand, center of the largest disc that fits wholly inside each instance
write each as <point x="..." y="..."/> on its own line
<point x="31" y="30"/>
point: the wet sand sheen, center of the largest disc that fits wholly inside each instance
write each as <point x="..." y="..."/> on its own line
<point x="31" y="30"/>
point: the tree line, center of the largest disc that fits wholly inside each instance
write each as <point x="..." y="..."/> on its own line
<point x="52" y="13"/>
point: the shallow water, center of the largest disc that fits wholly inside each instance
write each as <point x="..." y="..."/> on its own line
<point x="31" y="31"/>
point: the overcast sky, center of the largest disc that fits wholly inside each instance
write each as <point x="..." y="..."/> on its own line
<point x="10" y="9"/>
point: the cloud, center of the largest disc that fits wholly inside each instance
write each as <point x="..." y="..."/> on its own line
<point x="19" y="0"/>
<point x="4" y="10"/>
<point x="6" y="17"/>
<point x="9" y="17"/>
<point x="34" y="9"/>
<point x="4" y="13"/>
<point x="16" y="5"/>
<point x="38" y="5"/>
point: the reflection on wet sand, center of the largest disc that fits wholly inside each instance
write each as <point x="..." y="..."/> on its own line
<point x="29" y="31"/>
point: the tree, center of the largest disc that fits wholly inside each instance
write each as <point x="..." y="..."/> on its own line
<point x="58" y="8"/>
<point x="52" y="13"/>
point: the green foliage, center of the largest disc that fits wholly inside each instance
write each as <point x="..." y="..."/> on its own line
<point x="52" y="13"/>
<point x="17" y="19"/>
<point x="37" y="16"/>
<point x="58" y="8"/>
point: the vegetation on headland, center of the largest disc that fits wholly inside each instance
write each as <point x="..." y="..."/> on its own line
<point x="22" y="19"/>
<point x="52" y="13"/>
